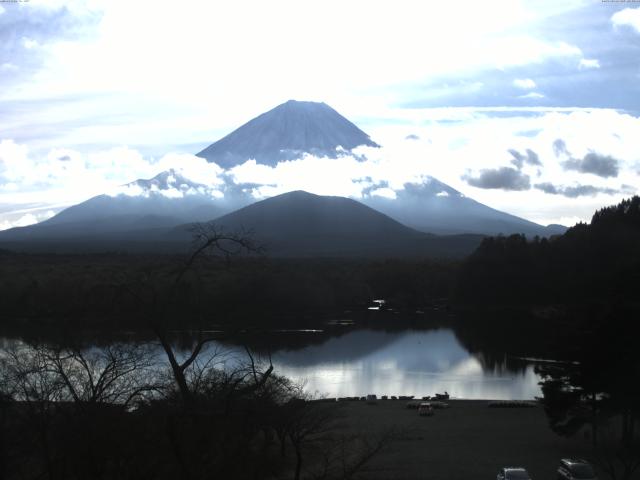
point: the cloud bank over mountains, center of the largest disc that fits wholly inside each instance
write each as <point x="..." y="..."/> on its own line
<point x="490" y="155"/>
<point x="484" y="120"/>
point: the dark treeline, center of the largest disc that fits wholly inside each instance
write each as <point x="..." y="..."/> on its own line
<point x="589" y="263"/>
<point x="94" y="291"/>
<point x="573" y="297"/>
<point x="579" y="277"/>
<point x="598" y="394"/>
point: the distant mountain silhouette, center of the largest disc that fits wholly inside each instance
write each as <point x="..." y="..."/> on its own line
<point x="286" y="132"/>
<point x="303" y="224"/>
<point x="166" y="200"/>
<point x="294" y="224"/>
<point x="437" y="208"/>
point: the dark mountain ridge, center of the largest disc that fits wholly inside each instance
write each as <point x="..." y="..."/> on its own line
<point x="288" y="131"/>
<point x="294" y="224"/>
<point x="300" y="224"/>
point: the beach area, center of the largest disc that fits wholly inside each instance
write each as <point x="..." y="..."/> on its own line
<point x="466" y="440"/>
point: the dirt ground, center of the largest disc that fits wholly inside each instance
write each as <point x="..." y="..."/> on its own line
<point x="468" y="440"/>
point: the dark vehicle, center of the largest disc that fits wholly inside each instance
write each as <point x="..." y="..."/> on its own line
<point x="513" y="473"/>
<point x="575" y="469"/>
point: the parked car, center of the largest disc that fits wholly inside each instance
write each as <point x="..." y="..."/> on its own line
<point x="570" y="469"/>
<point x="372" y="399"/>
<point x="425" y="409"/>
<point x="513" y="473"/>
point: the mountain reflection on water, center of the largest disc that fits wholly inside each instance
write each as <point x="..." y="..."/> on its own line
<point x="356" y="361"/>
<point x="400" y="362"/>
<point x="407" y="362"/>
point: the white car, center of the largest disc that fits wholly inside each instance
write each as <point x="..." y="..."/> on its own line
<point x="513" y="473"/>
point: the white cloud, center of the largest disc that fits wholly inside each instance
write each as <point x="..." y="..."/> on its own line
<point x="195" y="168"/>
<point x="628" y="17"/>
<point x="367" y="66"/>
<point x="64" y="176"/>
<point x="1" y="10"/>
<point x="384" y="192"/>
<point x="325" y="176"/>
<point x="350" y="67"/>
<point x="478" y="141"/>
<point x="29" y="43"/>
<point x="25" y="220"/>
<point x="67" y="168"/>
<point x="532" y="95"/>
<point x="589" y="63"/>
<point x="524" y="83"/>
<point x="445" y="149"/>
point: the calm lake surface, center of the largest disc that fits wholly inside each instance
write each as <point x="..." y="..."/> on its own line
<point x="403" y="362"/>
<point x="409" y="362"/>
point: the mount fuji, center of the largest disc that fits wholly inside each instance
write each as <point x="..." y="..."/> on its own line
<point x="287" y="132"/>
<point x="290" y="131"/>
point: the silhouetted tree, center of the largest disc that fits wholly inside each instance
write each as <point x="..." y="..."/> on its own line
<point x="599" y="390"/>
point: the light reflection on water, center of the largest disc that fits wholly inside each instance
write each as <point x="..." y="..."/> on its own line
<point x="407" y="362"/>
<point x="410" y="362"/>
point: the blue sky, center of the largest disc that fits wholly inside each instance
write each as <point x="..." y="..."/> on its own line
<point x="531" y="107"/>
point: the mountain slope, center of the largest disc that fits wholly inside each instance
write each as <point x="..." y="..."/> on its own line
<point x="437" y="208"/>
<point x="166" y="200"/>
<point x="287" y="132"/>
<point x="302" y="224"/>
<point x="294" y="224"/>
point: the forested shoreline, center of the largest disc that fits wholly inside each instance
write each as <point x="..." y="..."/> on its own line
<point x="67" y="409"/>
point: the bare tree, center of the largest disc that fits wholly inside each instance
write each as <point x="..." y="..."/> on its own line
<point x="64" y="397"/>
<point x="117" y="374"/>
<point x="324" y="444"/>
<point x="345" y="456"/>
<point x="157" y="294"/>
<point x="306" y="422"/>
<point x="619" y="459"/>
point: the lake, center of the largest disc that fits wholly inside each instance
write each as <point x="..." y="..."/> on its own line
<point x="357" y="362"/>
<point x="406" y="362"/>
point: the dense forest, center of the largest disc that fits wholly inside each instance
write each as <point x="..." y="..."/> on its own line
<point x="596" y="262"/>
<point x="590" y="270"/>
<point x="576" y="295"/>
<point x="114" y="291"/>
